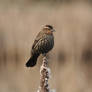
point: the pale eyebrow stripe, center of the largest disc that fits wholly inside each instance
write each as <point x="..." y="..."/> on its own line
<point x="46" y="27"/>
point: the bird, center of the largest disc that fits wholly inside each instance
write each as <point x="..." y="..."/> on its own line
<point x="43" y="43"/>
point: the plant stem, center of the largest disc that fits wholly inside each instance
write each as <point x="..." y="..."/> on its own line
<point x="44" y="76"/>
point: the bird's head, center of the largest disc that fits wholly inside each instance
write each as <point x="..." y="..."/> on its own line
<point x="49" y="27"/>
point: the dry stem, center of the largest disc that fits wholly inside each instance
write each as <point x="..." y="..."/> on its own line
<point x="44" y="76"/>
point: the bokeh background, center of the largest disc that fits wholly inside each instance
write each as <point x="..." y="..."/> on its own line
<point x="70" y="60"/>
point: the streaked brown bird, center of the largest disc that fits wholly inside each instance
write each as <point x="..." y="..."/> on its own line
<point x="43" y="43"/>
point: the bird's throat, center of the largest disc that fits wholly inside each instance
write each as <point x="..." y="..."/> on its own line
<point x="49" y="32"/>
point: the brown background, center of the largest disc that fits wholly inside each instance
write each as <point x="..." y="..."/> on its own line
<point x="70" y="60"/>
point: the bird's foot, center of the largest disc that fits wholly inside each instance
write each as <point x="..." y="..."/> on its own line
<point x="44" y="54"/>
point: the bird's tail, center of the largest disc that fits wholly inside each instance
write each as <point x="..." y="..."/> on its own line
<point x="32" y="61"/>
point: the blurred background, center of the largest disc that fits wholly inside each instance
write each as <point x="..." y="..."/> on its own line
<point x="70" y="60"/>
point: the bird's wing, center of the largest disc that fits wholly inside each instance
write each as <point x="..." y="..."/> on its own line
<point x="38" y="37"/>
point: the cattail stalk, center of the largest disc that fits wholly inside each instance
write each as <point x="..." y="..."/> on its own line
<point x="44" y="76"/>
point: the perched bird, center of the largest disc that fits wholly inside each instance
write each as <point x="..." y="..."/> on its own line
<point x="43" y="43"/>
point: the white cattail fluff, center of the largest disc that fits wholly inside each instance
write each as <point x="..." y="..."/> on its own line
<point x="45" y="73"/>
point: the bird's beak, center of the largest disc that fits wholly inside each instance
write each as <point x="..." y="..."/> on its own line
<point x="53" y="30"/>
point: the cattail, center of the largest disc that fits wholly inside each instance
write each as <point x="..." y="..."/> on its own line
<point x="44" y="76"/>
